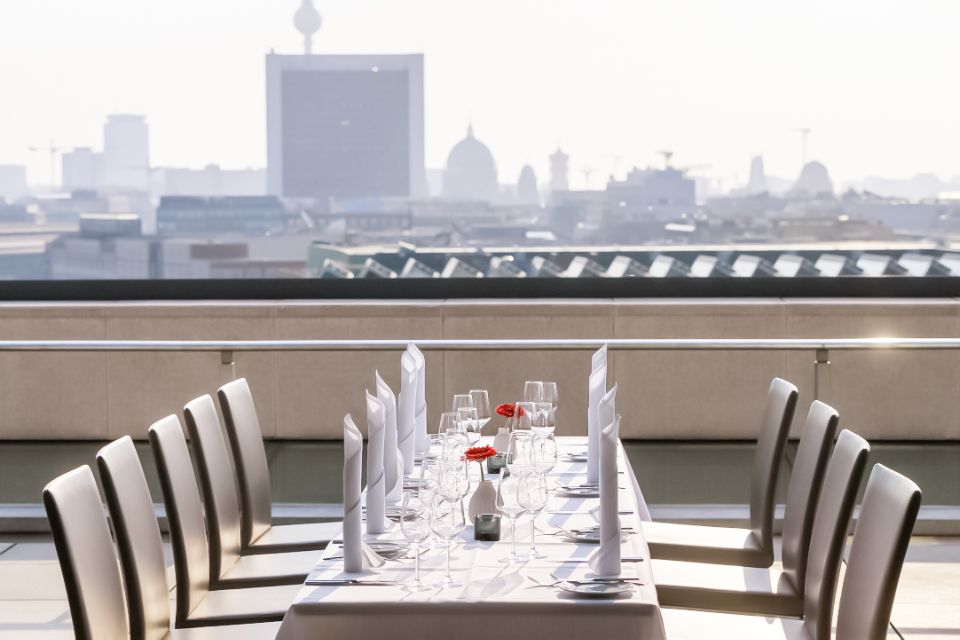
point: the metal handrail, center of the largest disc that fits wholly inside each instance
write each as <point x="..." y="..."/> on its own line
<point x="617" y="344"/>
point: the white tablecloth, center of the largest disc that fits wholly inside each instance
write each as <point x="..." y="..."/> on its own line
<point x="497" y="601"/>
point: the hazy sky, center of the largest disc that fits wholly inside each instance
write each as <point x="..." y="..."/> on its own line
<point x="878" y="81"/>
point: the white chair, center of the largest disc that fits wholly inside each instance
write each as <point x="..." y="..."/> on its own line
<point x="257" y="533"/>
<point x="198" y="603"/>
<point x="228" y="567"/>
<point x="91" y="573"/>
<point x="772" y="591"/>
<point x="751" y="547"/>
<point x="887" y="515"/>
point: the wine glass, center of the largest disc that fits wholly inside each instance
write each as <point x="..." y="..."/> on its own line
<point x="447" y="521"/>
<point x="481" y="400"/>
<point x="461" y="400"/>
<point x="509" y="505"/>
<point x="532" y="495"/>
<point x="532" y="391"/>
<point x="468" y="422"/>
<point x="545" y="454"/>
<point x="550" y="395"/>
<point x="519" y="456"/>
<point x="448" y="422"/>
<point x="541" y="422"/>
<point x="525" y="415"/>
<point x="415" y="526"/>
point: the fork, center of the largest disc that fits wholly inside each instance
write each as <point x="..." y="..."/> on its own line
<point x="538" y="583"/>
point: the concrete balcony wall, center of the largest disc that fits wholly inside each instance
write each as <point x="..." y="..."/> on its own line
<point x="663" y="394"/>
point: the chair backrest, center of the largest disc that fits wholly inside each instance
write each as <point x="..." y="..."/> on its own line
<point x="181" y="497"/>
<point x="803" y="491"/>
<point x="138" y="539"/>
<point x="249" y="458"/>
<point x="840" y="486"/>
<point x="87" y="558"/>
<point x="887" y="515"/>
<point x="217" y="482"/>
<point x="774" y="429"/>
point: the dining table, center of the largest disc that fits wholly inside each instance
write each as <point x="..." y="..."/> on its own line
<point x="497" y="599"/>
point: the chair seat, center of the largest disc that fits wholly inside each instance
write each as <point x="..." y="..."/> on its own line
<point x="269" y="569"/>
<point x="685" y="624"/>
<point x="717" y="587"/>
<point x="258" y="631"/>
<point x="242" y="606"/>
<point x="296" y="537"/>
<point x="714" y="545"/>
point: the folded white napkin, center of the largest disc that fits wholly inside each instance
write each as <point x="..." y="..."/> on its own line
<point x="376" y="493"/>
<point x="597" y="387"/>
<point x="392" y="473"/>
<point x="599" y="358"/>
<point x="406" y="411"/>
<point x="605" y="561"/>
<point x="422" y="442"/>
<point x="352" y="535"/>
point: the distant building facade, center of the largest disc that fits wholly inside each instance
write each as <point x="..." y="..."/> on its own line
<point x="13" y="181"/>
<point x="126" y="153"/>
<point x="255" y="215"/>
<point x="341" y="126"/>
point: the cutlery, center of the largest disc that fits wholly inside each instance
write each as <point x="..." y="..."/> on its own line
<point x="631" y="581"/>
<point x="349" y="583"/>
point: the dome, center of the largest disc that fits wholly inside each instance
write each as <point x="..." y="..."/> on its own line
<point x="471" y="170"/>
<point x="527" y="192"/>
<point x="814" y="180"/>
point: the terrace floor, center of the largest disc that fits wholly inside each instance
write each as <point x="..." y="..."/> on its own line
<point x="33" y="605"/>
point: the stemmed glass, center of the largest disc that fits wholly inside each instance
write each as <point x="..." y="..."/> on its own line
<point x="481" y="400"/>
<point x="447" y="521"/>
<point x="462" y="400"/>
<point x="545" y="454"/>
<point x="541" y="422"/>
<point x="508" y="503"/>
<point x="469" y="423"/>
<point x="550" y="396"/>
<point x="532" y="391"/>
<point x="415" y="526"/>
<point x="525" y="416"/>
<point x="532" y="495"/>
<point x="519" y="456"/>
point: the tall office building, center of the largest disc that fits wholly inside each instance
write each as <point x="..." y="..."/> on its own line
<point x="344" y="126"/>
<point x="126" y="153"/>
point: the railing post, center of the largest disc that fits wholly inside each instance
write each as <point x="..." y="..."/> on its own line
<point x="821" y="374"/>
<point x="227" y="359"/>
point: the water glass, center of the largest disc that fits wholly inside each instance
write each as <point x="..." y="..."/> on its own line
<point x="550" y="396"/>
<point x="415" y="526"/>
<point x="541" y="420"/>
<point x="519" y="456"/>
<point x="481" y="400"/>
<point x="532" y="391"/>
<point x="461" y="400"/>
<point x="545" y="454"/>
<point x="532" y="495"/>
<point x="525" y="415"/>
<point x="508" y="504"/>
<point x="447" y="521"/>
<point x="468" y="422"/>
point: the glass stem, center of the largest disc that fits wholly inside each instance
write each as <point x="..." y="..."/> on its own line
<point x="416" y="562"/>
<point x="533" y="533"/>
<point x="449" y="546"/>
<point x="513" y="534"/>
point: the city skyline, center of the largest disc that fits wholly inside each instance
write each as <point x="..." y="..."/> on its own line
<point x="878" y="110"/>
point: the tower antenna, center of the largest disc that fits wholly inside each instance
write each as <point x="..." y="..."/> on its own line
<point x="307" y="20"/>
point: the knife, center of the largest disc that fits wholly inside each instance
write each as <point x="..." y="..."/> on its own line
<point x="349" y="583"/>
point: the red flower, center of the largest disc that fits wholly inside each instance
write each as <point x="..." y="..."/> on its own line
<point x="506" y="410"/>
<point x="479" y="454"/>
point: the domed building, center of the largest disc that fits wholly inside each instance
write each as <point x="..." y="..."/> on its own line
<point x="814" y="181"/>
<point x="471" y="171"/>
<point x="527" y="190"/>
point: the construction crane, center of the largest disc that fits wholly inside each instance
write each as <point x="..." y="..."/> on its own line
<point x="53" y="150"/>
<point x="666" y="158"/>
